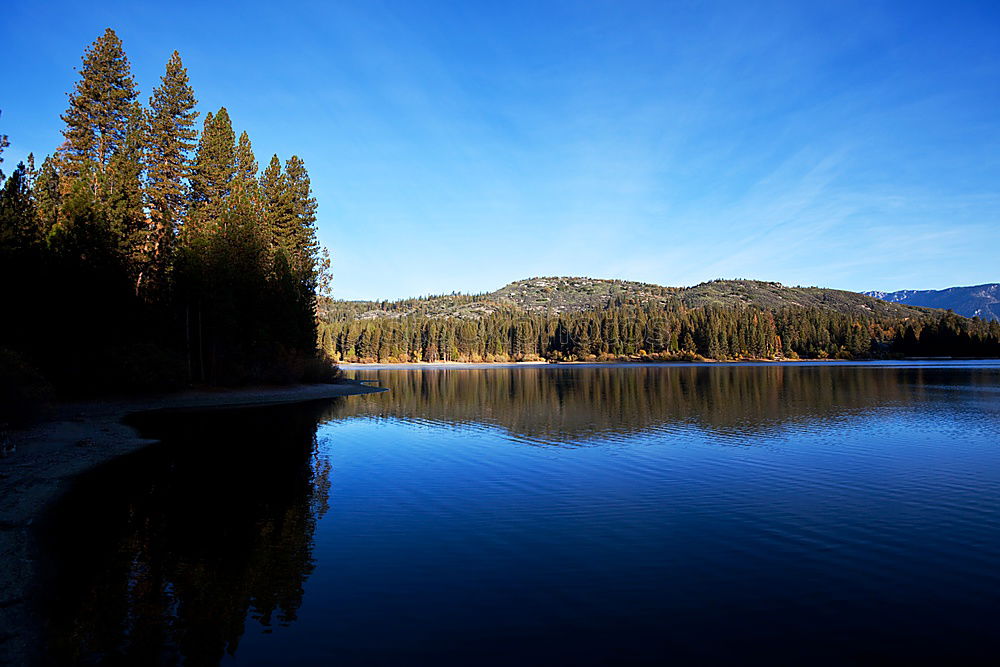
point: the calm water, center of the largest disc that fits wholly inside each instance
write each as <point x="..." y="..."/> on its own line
<point x="830" y="514"/>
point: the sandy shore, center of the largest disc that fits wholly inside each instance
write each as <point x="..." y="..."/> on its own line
<point x="76" y="438"/>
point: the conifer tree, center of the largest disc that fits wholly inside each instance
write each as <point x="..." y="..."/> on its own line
<point x="214" y="168"/>
<point x="246" y="189"/>
<point x="172" y="135"/>
<point x="297" y="231"/>
<point x="48" y="198"/>
<point x="17" y="227"/>
<point x="244" y="238"/>
<point x="99" y="108"/>
<point x="290" y="223"/>
<point x="274" y="200"/>
<point x="245" y="211"/>
<point x="123" y="190"/>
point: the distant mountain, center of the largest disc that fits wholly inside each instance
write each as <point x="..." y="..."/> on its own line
<point x="981" y="301"/>
<point x="558" y="295"/>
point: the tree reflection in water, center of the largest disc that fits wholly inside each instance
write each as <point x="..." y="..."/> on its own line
<point x="174" y="549"/>
<point x="583" y="405"/>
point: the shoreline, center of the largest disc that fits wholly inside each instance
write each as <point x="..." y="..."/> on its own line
<point x="74" y="438"/>
<point x="469" y="365"/>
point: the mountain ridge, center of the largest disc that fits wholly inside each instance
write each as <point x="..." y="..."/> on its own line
<point x="982" y="301"/>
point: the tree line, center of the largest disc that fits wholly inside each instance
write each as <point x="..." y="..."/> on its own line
<point x="656" y="333"/>
<point x="144" y="252"/>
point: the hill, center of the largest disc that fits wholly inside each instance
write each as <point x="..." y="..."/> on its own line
<point x="587" y="319"/>
<point x="561" y="295"/>
<point x="981" y="301"/>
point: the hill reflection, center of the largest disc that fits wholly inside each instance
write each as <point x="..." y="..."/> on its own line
<point x="580" y="404"/>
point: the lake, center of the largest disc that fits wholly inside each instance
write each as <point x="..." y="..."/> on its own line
<point x="820" y="513"/>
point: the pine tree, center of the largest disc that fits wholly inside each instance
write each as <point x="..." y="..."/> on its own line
<point x="17" y="226"/>
<point x="297" y="231"/>
<point x="99" y="109"/>
<point x="123" y="190"/>
<point x="172" y="135"/>
<point x="243" y="234"/>
<point x="244" y="211"/>
<point x="289" y="221"/>
<point x="31" y="169"/>
<point x="246" y="189"/>
<point x="214" y="168"/>
<point x="48" y="198"/>
<point x="688" y="345"/>
<point x="274" y="200"/>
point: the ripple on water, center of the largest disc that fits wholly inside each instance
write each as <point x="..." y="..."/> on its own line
<point x="561" y="516"/>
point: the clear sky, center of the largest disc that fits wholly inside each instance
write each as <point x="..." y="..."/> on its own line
<point x="461" y="145"/>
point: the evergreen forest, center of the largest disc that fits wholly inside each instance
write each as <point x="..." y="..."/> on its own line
<point x="150" y="251"/>
<point x="650" y="331"/>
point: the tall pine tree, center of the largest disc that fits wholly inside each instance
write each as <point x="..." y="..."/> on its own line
<point x="172" y="137"/>
<point x="214" y="168"/>
<point x="123" y="204"/>
<point x="296" y="230"/>
<point x="246" y="189"/>
<point x="274" y="200"/>
<point x="99" y="109"/>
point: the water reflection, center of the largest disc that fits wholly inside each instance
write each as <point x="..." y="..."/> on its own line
<point x="559" y="405"/>
<point x="165" y="556"/>
<point x="439" y="544"/>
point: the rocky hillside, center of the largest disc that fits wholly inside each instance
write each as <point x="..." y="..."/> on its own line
<point x="557" y="295"/>
<point x="562" y="295"/>
<point x="981" y="301"/>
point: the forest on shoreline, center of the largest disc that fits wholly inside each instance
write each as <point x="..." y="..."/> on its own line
<point x="655" y="332"/>
<point x="142" y="254"/>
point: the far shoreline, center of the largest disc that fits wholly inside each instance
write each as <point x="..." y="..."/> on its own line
<point x="469" y="365"/>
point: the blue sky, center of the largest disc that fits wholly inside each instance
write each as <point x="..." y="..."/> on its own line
<point x="462" y="145"/>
